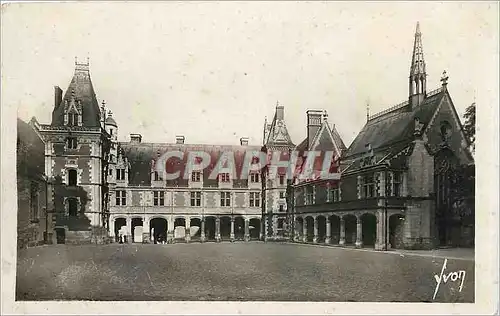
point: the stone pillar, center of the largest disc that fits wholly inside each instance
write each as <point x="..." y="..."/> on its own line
<point x="129" y="230"/>
<point x="342" y="232"/>
<point x="112" y="230"/>
<point x="187" y="229"/>
<point x="304" y="231"/>
<point x="296" y="231"/>
<point x="328" y="231"/>
<point x="380" y="240"/>
<point x="231" y="235"/>
<point x="247" y="229"/>
<point x="170" y="232"/>
<point x="145" y="231"/>
<point x="261" y="232"/>
<point x="315" y="238"/>
<point x="359" y="233"/>
<point x="202" y="228"/>
<point x="217" y="229"/>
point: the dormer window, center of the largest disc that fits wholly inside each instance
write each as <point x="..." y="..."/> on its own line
<point x="224" y="177"/>
<point x="196" y="176"/>
<point x="254" y="177"/>
<point x="72" y="119"/>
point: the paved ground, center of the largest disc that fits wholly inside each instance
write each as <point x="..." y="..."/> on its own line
<point x="238" y="271"/>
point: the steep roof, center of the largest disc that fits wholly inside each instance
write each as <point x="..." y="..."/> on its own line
<point x="142" y="156"/>
<point x="394" y="126"/>
<point x="326" y="138"/>
<point x="277" y="136"/>
<point x="82" y="86"/>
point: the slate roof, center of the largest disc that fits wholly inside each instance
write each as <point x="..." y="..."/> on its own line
<point x="84" y="92"/>
<point x="393" y="129"/>
<point x="142" y="156"/>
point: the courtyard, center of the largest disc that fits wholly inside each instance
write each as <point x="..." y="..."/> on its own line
<point x="254" y="271"/>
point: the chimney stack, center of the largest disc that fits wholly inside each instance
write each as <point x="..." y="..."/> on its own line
<point x="244" y="141"/>
<point x="179" y="139"/>
<point x="135" y="138"/>
<point x="57" y="96"/>
<point x="280" y="112"/>
<point x="314" y="118"/>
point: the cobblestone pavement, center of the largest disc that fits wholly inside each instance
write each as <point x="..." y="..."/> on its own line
<point x="234" y="271"/>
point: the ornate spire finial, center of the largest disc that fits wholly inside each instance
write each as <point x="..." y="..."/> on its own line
<point x="110" y="114"/>
<point x="367" y="110"/>
<point x="76" y="60"/>
<point x="417" y="31"/>
<point x="444" y="78"/>
<point x="277" y="103"/>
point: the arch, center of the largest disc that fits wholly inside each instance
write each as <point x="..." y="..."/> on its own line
<point x="137" y="229"/>
<point x="350" y="226"/>
<point x="396" y="228"/>
<point x="334" y="229"/>
<point x="195" y="228"/>
<point x="158" y="229"/>
<point x="180" y="228"/>
<point x="321" y="224"/>
<point x="239" y="228"/>
<point x="119" y="223"/>
<point x="369" y="229"/>
<point x="210" y="228"/>
<point x="309" y="222"/>
<point x="225" y="227"/>
<point x="254" y="228"/>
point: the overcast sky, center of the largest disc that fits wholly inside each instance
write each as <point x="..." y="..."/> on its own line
<point x="213" y="71"/>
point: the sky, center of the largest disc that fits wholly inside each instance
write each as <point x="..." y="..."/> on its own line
<point x="213" y="71"/>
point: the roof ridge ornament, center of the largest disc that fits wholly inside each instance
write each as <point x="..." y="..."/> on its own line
<point x="444" y="79"/>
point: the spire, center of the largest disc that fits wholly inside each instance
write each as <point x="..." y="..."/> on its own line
<point x="367" y="111"/>
<point x="417" y="79"/>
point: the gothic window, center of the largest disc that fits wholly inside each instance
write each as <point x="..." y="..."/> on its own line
<point x="254" y="177"/>
<point x="71" y="143"/>
<point x="280" y="223"/>
<point x="72" y="119"/>
<point x="309" y="195"/>
<point x="224" y="177"/>
<point x="72" y="207"/>
<point x="196" y="199"/>
<point x="159" y="198"/>
<point x="445" y="130"/>
<point x="396" y="183"/>
<point x="368" y="186"/>
<point x="72" y="177"/>
<point x="120" y="174"/>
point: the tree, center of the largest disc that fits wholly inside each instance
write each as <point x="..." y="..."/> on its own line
<point x="470" y="125"/>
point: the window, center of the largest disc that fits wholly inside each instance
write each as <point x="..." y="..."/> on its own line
<point x="158" y="198"/>
<point x="280" y="223"/>
<point x="72" y="207"/>
<point x="196" y="176"/>
<point x="157" y="176"/>
<point x="309" y="195"/>
<point x="282" y="179"/>
<point x="196" y="199"/>
<point x="110" y="172"/>
<point x="224" y="177"/>
<point x="120" y="174"/>
<point x="332" y="194"/>
<point x="111" y="131"/>
<point x="71" y="143"/>
<point x="72" y="119"/>
<point x="368" y="186"/>
<point x="121" y="198"/>
<point x="34" y="201"/>
<point x="72" y="175"/>
<point x="225" y="199"/>
<point x="396" y="184"/>
<point x="254" y="177"/>
<point x="254" y="199"/>
<point x="282" y="194"/>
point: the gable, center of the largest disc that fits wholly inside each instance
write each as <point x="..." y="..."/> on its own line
<point x="324" y="140"/>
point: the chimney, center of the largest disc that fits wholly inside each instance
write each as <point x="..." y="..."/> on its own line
<point x="244" y="141"/>
<point x="314" y="118"/>
<point x="135" y="138"/>
<point x="179" y="139"/>
<point x="57" y="96"/>
<point x="280" y="112"/>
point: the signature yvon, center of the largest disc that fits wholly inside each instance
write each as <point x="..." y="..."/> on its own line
<point x="453" y="276"/>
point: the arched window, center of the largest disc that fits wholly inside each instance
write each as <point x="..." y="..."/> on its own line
<point x="445" y="130"/>
<point x="72" y="177"/>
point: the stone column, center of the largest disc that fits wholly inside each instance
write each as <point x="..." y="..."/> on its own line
<point x="380" y="240"/>
<point x="342" y="232"/>
<point x="187" y="229"/>
<point x="304" y="230"/>
<point x="145" y="231"/>
<point x="112" y="230"/>
<point x="217" y="229"/>
<point x="129" y="230"/>
<point x="261" y="226"/>
<point x="247" y="229"/>
<point x="231" y="235"/>
<point x="359" y="233"/>
<point x="315" y="238"/>
<point x="170" y="232"/>
<point x="328" y="231"/>
<point x="296" y="231"/>
<point x="202" y="228"/>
